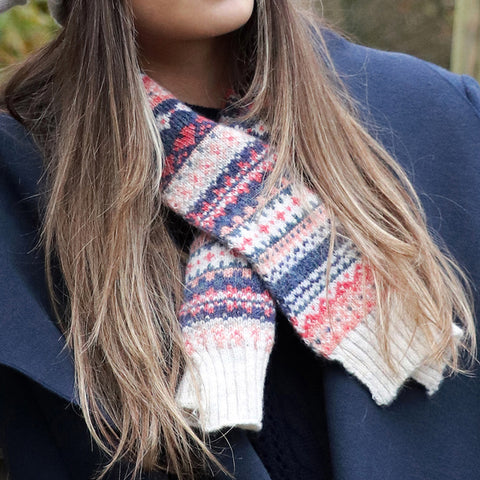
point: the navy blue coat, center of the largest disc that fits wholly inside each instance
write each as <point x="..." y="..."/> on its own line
<point x="320" y="423"/>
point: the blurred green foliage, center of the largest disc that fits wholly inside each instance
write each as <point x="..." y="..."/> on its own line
<point x="24" y="29"/>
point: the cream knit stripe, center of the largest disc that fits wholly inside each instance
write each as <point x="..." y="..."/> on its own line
<point x="282" y="202"/>
<point x="284" y="254"/>
<point x="216" y="257"/>
<point x="231" y="382"/>
<point x="208" y="274"/>
<point x="227" y="332"/>
<point x="278" y="218"/>
<point x="360" y="355"/>
<point x="431" y="375"/>
<point x="276" y="235"/>
<point x="204" y="165"/>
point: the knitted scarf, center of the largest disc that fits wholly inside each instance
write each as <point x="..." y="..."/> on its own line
<point x="253" y="255"/>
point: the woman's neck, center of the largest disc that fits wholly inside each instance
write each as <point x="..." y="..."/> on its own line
<point x="196" y="72"/>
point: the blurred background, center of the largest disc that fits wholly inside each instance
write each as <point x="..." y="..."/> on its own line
<point x="446" y="32"/>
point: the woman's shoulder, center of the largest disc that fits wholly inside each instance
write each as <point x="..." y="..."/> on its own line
<point x="12" y="133"/>
<point x="20" y="160"/>
<point x="429" y="120"/>
<point x="398" y="83"/>
<point x="426" y="117"/>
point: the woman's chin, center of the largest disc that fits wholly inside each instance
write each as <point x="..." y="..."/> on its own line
<point x="187" y="20"/>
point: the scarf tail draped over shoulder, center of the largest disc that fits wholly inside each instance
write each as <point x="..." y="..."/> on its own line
<point x="253" y="255"/>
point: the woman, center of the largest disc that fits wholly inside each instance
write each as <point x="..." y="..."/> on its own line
<point x="290" y="178"/>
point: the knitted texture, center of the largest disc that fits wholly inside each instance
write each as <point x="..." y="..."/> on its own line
<point x="255" y="254"/>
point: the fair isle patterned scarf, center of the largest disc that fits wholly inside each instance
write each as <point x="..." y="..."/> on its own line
<point x="247" y="260"/>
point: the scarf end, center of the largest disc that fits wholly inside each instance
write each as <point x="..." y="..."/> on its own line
<point x="359" y="354"/>
<point x="230" y="385"/>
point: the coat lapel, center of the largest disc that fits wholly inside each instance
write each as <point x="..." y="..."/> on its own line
<point x="29" y="339"/>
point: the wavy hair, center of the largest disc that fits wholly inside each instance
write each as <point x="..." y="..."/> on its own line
<point x="103" y="223"/>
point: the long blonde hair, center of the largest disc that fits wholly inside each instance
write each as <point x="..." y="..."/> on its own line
<point x="103" y="222"/>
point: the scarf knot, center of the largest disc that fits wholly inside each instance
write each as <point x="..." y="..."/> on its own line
<point x="254" y="255"/>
